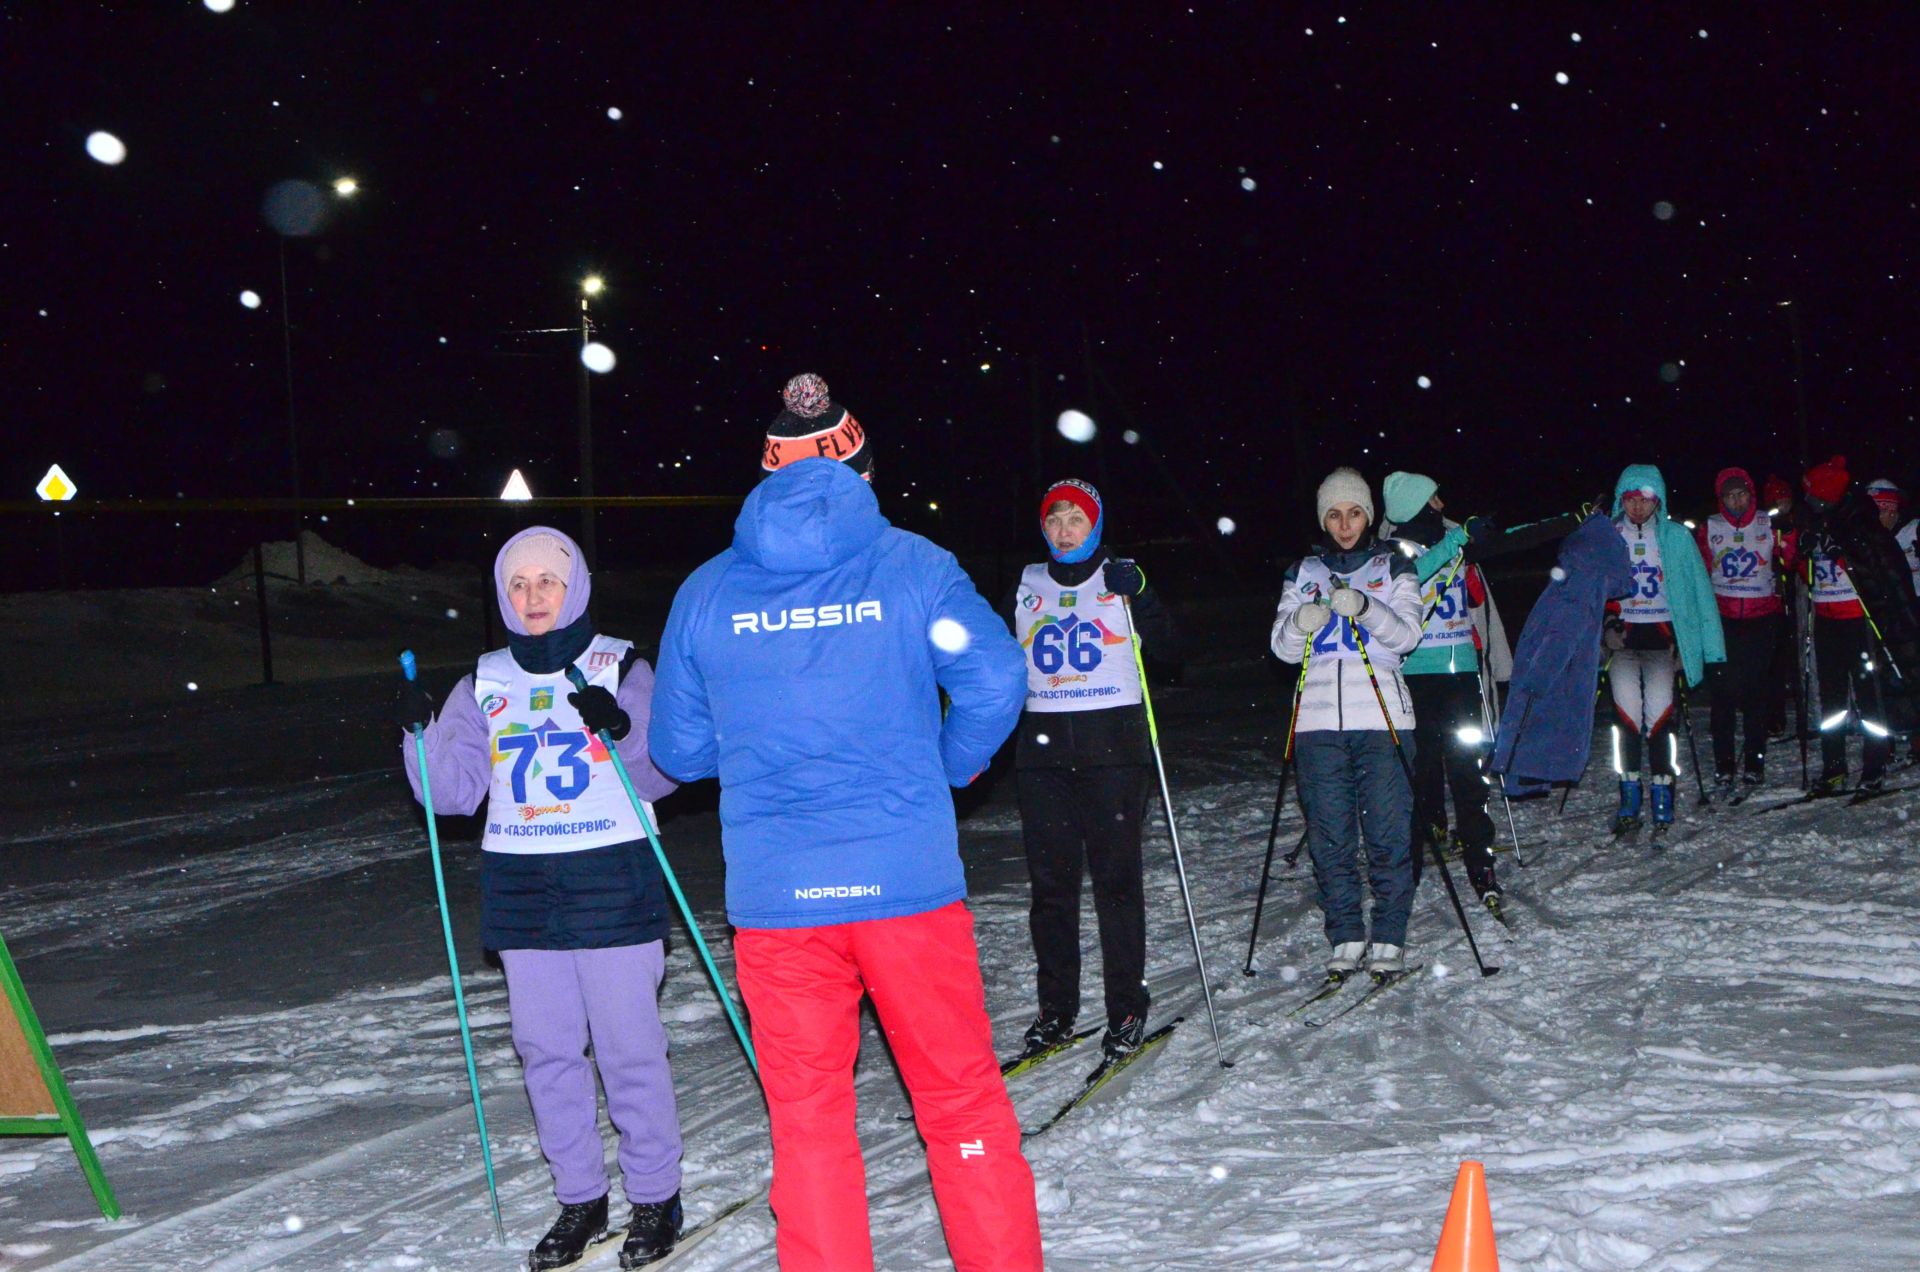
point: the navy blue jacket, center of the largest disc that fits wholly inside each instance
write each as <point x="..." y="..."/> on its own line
<point x="1546" y="731"/>
<point x="804" y="666"/>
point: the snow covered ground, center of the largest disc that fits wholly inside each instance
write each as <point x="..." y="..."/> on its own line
<point x="1701" y="1059"/>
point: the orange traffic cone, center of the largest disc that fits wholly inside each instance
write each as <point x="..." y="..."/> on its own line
<point x="1466" y="1239"/>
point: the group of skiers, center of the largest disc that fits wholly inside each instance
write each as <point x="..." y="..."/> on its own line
<point x="839" y="676"/>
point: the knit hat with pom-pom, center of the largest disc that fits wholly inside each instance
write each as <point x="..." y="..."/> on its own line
<point x="813" y="426"/>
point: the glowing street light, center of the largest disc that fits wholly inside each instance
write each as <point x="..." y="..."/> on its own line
<point x="516" y="488"/>
<point x="593" y="284"/>
<point x="346" y="187"/>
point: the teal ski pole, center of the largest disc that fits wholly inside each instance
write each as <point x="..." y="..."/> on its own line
<point x="408" y="667"/>
<point x="680" y="898"/>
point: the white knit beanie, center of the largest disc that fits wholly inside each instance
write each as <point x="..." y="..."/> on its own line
<point x="1343" y="485"/>
<point x="541" y="551"/>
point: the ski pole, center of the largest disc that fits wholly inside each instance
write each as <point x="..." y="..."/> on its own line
<point x="579" y="681"/>
<point x="1406" y="767"/>
<point x="1803" y="619"/>
<point x="1693" y="747"/>
<point x="1279" y="802"/>
<point x="409" y="668"/>
<point x="1489" y="715"/>
<point x="1173" y="831"/>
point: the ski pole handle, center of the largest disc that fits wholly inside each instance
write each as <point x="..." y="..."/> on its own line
<point x="408" y="667"/>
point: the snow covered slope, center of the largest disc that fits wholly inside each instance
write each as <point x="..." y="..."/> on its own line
<point x="1698" y="1059"/>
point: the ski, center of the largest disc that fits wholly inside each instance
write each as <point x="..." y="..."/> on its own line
<point x="1813" y="796"/>
<point x="1870" y="793"/>
<point x="1496" y="906"/>
<point x="1106" y="1074"/>
<point x="707" y="1227"/>
<point x="1029" y="1059"/>
<point x="1381" y="984"/>
<point x="1334" y="985"/>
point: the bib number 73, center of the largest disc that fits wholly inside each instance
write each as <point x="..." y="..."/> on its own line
<point x="574" y="769"/>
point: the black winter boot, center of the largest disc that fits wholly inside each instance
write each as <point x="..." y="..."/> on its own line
<point x="580" y="1224"/>
<point x="652" y="1232"/>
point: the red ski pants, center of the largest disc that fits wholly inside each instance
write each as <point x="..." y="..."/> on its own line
<point x="803" y="987"/>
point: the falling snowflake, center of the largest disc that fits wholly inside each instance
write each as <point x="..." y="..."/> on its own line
<point x="1247" y="183"/>
<point x="949" y="636"/>
<point x="1424" y="382"/>
<point x="1561" y="77"/>
<point x="1663" y="211"/>
<point x="251" y="299"/>
<point x="106" y="148"/>
<point x="1225" y="525"/>
<point x="615" y="113"/>
<point x="596" y="357"/>
<point x="1076" y="426"/>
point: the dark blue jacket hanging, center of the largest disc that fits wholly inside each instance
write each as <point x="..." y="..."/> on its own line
<point x="1546" y="731"/>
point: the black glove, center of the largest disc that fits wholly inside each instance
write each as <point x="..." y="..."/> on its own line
<point x="1481" y="529"/>
<point x="1126" y="578"/>
<point x="412" y="706"/>
<point x="600" y="713"/>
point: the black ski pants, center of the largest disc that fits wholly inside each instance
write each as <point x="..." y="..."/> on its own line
<point x="1742" y="689"/>
<point x="1443" y="704"/>
<point x="1076" y="821"/>
<point x="1843" y="653"/>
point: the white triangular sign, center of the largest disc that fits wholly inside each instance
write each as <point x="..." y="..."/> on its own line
<point x="516" y="487"/>
<point x="56" y="486"/>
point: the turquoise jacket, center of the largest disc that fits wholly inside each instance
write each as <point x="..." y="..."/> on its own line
<point x="1696" y="619"/>
<point x="1432" y="660"/>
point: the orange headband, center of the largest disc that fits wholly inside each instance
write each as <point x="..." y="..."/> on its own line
<point x="842" y="442"/>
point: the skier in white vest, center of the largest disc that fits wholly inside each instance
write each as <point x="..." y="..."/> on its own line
<point x="570" y="896"/>
<point x="1354" y="595"/>
<point x="1742" y="549"/>
<point x="1085" y="762"/>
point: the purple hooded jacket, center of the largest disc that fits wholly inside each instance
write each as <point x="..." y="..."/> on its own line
<point x="590" y="899"/>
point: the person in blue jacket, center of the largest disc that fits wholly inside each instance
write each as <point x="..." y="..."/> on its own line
<point x="804" y="667"/>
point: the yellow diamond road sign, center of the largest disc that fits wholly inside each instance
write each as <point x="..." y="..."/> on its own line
<point x="56" y="486"/>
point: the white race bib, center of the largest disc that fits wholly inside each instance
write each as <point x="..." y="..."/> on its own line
<point x="554" y="788"/>
<point x="1742" y="557"/>
<point x="1336" y="639"/>
<point x="1647" y="603"/>
<point x="1078" y="643"/>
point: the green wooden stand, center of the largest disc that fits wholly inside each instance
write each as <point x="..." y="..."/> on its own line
<point x="63" y="1118"/>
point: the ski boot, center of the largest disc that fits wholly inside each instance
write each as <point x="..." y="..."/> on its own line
<point x="1829" y="785"/>
<point x="1345" y="960"/>
<point x="580" y="1224"/>
<point x="1123" y="1039"/>
<point x="1048" y="1030"/>
<point x="1627" y="819"/>
<point x="1662" y="807"/>
<point x="1385" y="960"/>
<point x="1724" y="787"/>
<point x="652" y="1232"/>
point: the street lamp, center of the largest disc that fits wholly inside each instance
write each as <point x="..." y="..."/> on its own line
<point x="590" y="286"/>
<point x="345" y="188"/>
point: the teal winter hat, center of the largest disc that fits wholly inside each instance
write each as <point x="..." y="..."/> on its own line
<point x="1407" y="494"/>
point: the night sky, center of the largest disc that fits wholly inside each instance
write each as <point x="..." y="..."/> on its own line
<point x="1259" y="225"/>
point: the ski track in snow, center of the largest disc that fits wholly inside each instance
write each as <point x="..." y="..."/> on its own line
<point x="1696" y="1059"/>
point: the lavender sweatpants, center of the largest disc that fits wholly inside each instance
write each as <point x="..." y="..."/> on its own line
<point x="559" y="1001"/>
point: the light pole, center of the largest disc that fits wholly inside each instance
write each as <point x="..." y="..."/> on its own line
<point x="344" y="188"/>
<point x="1799" y="376"/>
<point x="590" y="286"/>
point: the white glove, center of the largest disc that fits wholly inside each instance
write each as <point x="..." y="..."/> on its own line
<point x="1311" y="617"/>
<point x="1349" y="602"/>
